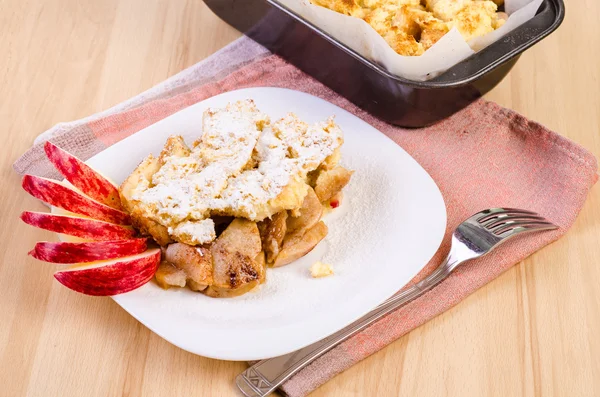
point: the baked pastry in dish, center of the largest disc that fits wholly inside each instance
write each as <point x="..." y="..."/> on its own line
<point x="410" y="27"/>
<point x="248" y="193"/>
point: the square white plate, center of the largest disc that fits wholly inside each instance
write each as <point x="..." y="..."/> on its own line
<point x="390" y="224"/>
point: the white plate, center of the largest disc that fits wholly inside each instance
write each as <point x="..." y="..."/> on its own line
<point x="390" y="224"/>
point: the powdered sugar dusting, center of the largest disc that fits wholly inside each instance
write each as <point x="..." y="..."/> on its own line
<point x="240" y="167"/>
<point x="195" y="232"/>
<point x="353" y="235"/>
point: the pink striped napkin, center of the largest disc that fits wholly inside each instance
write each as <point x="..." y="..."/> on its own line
<point x="484" y="156"/>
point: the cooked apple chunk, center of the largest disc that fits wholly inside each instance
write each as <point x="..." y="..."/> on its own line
<point x="196" y="262"/>
<point x="330" y="182"/>
<point x="235" y="264"/>
<point x="168" y="276"/>
<point x="231" y="266"/>
<point x="309" y="214"/>
<point x="217" y="292"/>
<point x="194" y="286"/>
<point x="297" y="247"/>
<point x="225" y="292"/>
<point x="272" y="232"/>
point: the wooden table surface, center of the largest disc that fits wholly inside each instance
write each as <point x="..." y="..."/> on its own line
<point x="533" y="331"/>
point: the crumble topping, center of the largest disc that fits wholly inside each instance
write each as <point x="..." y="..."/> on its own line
<point x="242" y="166"/>
<point x="320" y="269"/>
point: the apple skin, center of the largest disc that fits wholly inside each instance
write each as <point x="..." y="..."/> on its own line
<point x="83" y="177"/>
<point x="111" y="277"/>
<point x="78" y="227"/>
<point x="67" y="252"/>
<point x="53" y="193"/>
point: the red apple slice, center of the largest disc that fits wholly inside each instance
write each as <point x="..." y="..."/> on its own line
<point x="67" y="252"/>
<point x="112" y="277"/>
<point x="78" y="227"/>
<point x="53" y="193"/>
<point x="83" y="177"/>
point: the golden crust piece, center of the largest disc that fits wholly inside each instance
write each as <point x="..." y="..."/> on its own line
<point x="403" y="43"/>
<point x="406" y="19"/>
<point x="430" y="36"/>
<point x="140" y="177"/>
<point x="346" y="7"/>
<point x="380" y="18"/>
<point x="476" y="19"/>
<point x="432" y="28"/>
<point x="445" y="10"/>
<point x="332" y="160"/>
<point x="175" y="146"/>
<point x="410" y="27"/>
<point x="148" y="227"/>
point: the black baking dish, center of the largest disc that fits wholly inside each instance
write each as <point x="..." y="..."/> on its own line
<point x="393" y="99"/>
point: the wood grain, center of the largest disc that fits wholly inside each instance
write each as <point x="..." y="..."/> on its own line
<point x="532" y="332"/>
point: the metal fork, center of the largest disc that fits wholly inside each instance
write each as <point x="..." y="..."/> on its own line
<point x="475" y="237"/>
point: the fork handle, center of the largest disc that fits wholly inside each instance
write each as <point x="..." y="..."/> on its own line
<point x="262" y="378"/>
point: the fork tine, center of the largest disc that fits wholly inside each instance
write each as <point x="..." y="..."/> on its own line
<point x="520" y="211"/>
<point x="519" y="227"/>
<point x="498" y="212"/>
<point x="504" y="218"/>
<point x="517" y="231"/>
<point x="489" y="213"/>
